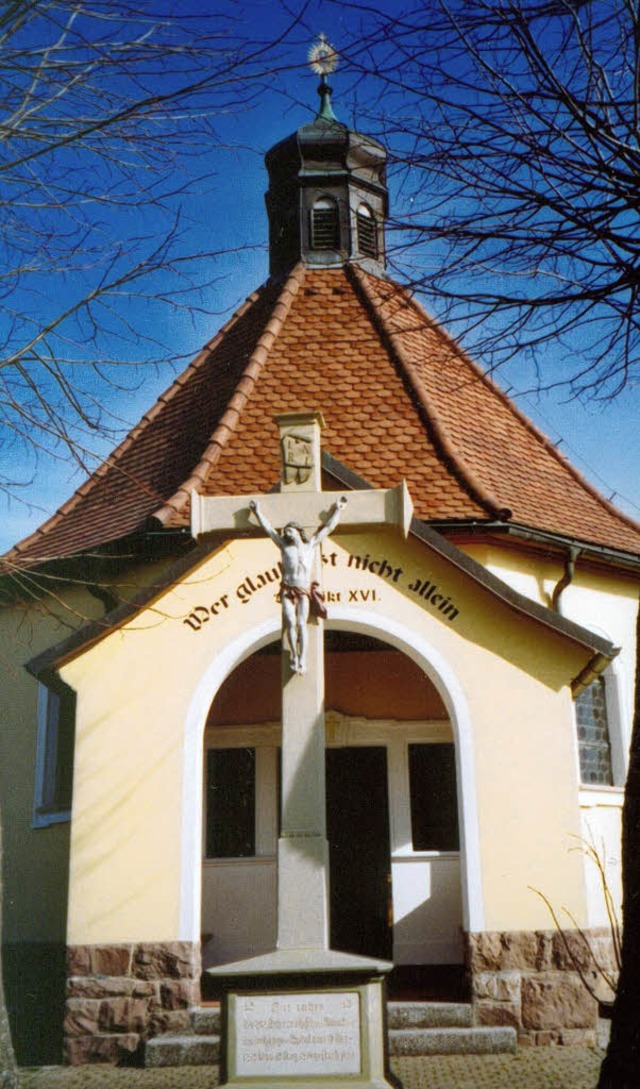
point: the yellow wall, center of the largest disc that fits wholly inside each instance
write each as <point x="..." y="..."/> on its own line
<point x="606" y="603"/>
<point x="135" y="688"/>
<point x="598" y="599"/>
<point x="34" y="861"/>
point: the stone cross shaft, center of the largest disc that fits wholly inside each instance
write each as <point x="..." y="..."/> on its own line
<point x="303" y="857"/>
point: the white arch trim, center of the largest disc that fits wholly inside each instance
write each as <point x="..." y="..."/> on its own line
<point x="367" y="622"/>
<point x="192" y="768"/>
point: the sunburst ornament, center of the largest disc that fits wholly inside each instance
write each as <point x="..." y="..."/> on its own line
<point x="323" y="59"/>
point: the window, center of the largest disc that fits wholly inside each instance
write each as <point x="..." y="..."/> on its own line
<point x="367" y="231"/>
<point x="231" y="807"/>
<point x="434" y="803"/>
<point x="54" y="756"/>
<point x="325" y="225"/>
<point x="594" y="744"/>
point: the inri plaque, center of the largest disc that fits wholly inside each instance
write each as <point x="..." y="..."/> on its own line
<point x="291" y="1034"/>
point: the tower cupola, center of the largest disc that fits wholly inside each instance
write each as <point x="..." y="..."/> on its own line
<point x="327" y="199"/>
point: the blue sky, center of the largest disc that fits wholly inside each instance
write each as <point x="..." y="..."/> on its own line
<point x="225" y="211"/>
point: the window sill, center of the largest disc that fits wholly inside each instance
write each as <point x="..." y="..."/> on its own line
<point x="596" y="794"/>
<point x="240" y="860"/>
<point x="45" y="820"/>
<point x="425" y="856"/>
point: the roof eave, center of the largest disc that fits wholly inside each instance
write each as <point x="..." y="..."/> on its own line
<point x="602" y="651"/>
<point x="613" y="557"/>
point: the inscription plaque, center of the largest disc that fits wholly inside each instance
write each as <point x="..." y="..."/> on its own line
<point x="292" y="1034"/>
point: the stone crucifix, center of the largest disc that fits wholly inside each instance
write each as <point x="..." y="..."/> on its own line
<point x="299" y="593"/>
<point x="308" y="515"/>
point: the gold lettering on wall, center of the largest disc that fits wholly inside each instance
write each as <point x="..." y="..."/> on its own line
<point x="424" y="589"/>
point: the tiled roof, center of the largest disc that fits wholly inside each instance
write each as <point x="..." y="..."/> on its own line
<point x="400" y="400"/>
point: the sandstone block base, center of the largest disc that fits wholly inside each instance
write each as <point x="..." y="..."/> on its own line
<point x="119" y="996"/>
<point x="533" y="981"/>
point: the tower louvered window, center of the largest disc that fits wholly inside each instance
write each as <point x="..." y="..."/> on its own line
<point x="325" y="225"/>
<point x="367" y="231"/>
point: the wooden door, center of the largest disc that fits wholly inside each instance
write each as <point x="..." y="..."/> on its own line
<point x="358" y="834"/>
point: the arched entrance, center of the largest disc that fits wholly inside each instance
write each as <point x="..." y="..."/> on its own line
<point x="392" y="807"/>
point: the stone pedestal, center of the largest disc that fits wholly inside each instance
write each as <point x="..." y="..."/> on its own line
<point x="304" y="1018"/>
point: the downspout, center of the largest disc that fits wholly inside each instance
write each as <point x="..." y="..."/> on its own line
<point x="566" y="580"/>
<point x="107" y="597"/>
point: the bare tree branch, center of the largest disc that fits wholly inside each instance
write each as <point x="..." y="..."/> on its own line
<point x="109" y="116"/>
<point x="514" y="129"/>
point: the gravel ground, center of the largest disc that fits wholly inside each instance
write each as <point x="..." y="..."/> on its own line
<point x="533" y="1068"/>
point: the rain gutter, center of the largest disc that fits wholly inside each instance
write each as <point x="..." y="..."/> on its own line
<point x="536" y="536"/>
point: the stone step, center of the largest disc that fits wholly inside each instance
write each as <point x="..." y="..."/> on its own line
<point x="205" y="1020"/>
<point x="452" y="1041"/>
<point x="415" y="1028"/>
<point x="411" y="1015"/>
<point x="187" y="1050"/>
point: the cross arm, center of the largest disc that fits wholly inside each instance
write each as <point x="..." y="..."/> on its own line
<point x="376" y="506"/>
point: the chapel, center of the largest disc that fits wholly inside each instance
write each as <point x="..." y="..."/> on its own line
<point x="478" y="669"/>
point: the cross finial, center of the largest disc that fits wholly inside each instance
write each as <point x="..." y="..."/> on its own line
<point x="323" y="58"/>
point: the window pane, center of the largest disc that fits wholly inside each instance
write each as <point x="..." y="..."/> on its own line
<point x="49" y="776"/>
<point x="64" y="754"/>
<point x="231" y="792"/>
<point x="54" y="774"/>
<point x="434" y="806"/>
<point x="593" y="734"/>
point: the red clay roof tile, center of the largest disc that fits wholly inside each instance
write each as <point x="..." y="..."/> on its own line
<point x="400" y="400"/>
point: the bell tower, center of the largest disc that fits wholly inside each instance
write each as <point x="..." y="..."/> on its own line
<point x="327" y="199"/>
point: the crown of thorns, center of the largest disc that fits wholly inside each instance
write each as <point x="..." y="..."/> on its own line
<point x="294" y="525"/>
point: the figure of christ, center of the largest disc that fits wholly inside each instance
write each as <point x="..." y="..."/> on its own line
<point x="298" y="594"/>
